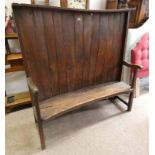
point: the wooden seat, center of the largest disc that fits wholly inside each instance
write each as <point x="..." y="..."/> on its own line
<point x="59" y="105"/>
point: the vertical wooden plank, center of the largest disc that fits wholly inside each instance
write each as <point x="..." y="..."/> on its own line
<point x="125" y="17"/>
<point x="29" y="48"/>
<point x="87" y="48"/>
<point x="101" y="65"/>
<point x="20" y="35"/>
<point x="112" y="47"/>
<point x="118" y="42"/>
<point x="57" y="16"/>
<point x="42" y="57"/>
<point x="121" y="46"/>
<point x="68" y="48"/>
<point x="94" y="47"/>
<point x="78" y="48"/>
<point x="104" y="49"/>
<point x="51" y="49"/>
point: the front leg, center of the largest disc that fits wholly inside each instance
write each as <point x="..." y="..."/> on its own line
<point x="135" y="68"/>
<point x="34" y="97"/>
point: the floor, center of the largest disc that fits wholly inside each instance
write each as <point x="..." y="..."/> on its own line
<point x="101" y="129"/>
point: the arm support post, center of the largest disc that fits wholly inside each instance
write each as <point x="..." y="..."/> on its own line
<point x="34" y="96"/>
<point x="135" y="68"/>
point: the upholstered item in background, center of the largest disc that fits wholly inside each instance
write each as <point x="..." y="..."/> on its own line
<point x="140" y="56"/>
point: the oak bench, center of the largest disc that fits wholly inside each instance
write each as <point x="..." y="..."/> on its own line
<point x="72" y="58"/>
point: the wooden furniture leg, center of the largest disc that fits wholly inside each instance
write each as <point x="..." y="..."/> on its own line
<point x="41" y="134"/>
<point x="136" y="90"/>
<point x="133" y="82"/>
<point x="34" y="97"/>
<point x="130" y="101"/>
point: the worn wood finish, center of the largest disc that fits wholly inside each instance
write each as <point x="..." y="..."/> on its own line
<point x="34" y="97"/>
<point x="72" y="57"/>
<point x="59" y="105"/>
<point x="63" y="46"/>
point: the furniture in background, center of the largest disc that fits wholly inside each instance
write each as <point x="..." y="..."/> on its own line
<point x="81" y="4"/>
<point x="14" y="62"/>
<point x="13" y="59"/>
<point x="139" y="16"/>
<point x="77" y="61"/>
<point x="140" y="55"/>
<point x="112" y="4"/>
<point x="117" y="4"/>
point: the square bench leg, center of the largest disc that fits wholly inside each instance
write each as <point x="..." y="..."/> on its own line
<point x="129" y="103"/>
<point x="131" y="95"/>
<point x="41" y="134"/>
<point x="136" y="90"/>
<point x="39" y="126"/>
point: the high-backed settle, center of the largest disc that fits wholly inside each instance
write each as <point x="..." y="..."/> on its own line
<point x="72" y="57"/>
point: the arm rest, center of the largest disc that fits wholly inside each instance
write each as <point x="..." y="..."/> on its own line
<point x="34" y="97"/>
<point x="135" y="68"/>
<point x="32" y="86"/>
<point x="132" y="65"/>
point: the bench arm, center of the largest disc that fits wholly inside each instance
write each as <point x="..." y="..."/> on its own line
<point x="135" y="68"/>
<point x="132" y="65"/>
<point x="34" y="97"/>
<point x="32" y="86"/>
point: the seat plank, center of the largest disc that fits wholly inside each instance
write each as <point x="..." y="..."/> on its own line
<point x="61" y="104"/>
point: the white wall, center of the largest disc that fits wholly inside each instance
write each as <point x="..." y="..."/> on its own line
<point x="97" y="4"/>
<point x="134" y="36"/>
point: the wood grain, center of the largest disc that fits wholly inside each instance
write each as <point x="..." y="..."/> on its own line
<point x="57" y="106"/>
<point x="50" y="34"/>
<point x="73" y="57"/>
<point x="70" y="49"/>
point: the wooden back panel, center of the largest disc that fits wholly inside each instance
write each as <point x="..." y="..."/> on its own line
<point x="66" y="49"/>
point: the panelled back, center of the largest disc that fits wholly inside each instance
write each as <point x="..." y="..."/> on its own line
<point x="66" y="49"/>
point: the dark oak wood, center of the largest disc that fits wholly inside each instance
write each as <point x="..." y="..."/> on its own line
<point x="59" y="105"/>
<point x="73" y="57"/>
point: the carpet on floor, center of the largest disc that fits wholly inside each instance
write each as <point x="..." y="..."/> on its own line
<point x="100" y="129"/>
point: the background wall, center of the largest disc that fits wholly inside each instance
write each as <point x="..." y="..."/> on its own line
<point x="97" y="4"/>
